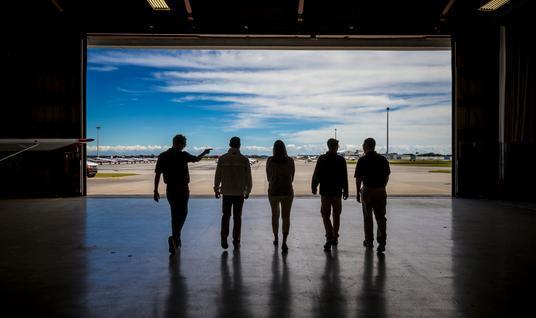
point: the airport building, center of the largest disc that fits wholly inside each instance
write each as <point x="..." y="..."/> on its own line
<point x="67" y="254"/>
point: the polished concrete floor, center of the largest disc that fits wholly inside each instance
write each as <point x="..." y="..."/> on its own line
<point x="108" y="257"/>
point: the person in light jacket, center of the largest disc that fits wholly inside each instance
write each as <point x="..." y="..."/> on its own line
<point x="233" y="182"/>
<point x="280" y="173"/>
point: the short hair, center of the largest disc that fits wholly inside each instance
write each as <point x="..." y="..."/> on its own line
<point x="234" y="142"/>
<point x="332" y="143"/>
<point x="369" y="143"/>
<point x="179" y="140"/>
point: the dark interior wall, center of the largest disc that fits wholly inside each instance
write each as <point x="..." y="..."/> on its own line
<point x="476" y="107"/>
<point x="520" y="105"/>
<point x="43" y="98"/>
<point x="493" y="152"/>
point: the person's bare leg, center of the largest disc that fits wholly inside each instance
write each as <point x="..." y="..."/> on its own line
<point x="286" y="206"/>
<point x="274" y="204"/>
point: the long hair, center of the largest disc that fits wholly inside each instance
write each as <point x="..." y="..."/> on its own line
<point x="280" y="151"/>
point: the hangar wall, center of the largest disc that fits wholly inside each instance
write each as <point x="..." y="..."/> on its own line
<point x="519" y="147"/>
<point x="44" y="99"/>
<point x="494" y="125"/>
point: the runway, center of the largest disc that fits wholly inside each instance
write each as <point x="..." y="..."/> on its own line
<point x="405" y="180"/>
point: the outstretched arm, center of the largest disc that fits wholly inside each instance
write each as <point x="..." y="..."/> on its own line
<point x="200" y="156"/>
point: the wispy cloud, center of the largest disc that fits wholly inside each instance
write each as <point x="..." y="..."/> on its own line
<point x="343" y="90"/>
<point x="103" y="68"/>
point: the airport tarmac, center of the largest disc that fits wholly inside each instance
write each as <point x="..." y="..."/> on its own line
<point x="405" y="180"/>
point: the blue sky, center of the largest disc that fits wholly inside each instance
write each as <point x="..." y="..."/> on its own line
<point x="142" y="98"/>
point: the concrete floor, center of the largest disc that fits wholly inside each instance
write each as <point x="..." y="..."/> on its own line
<point x="108" y="258"/>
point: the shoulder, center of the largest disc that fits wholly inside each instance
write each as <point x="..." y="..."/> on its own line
<point x="164" y="154"/>
<point x="269" y="159"/>
<point x="381" y="158"/>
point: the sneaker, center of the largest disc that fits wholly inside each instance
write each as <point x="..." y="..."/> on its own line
<point x="172" y="245"/>
<point x="381" y="248"/>
<point x="368" y="244"/>
<point x="276" y="242"/>
<point x="327" y="246"/>
<point x="224" y="244"/>
<point x="284" y="248"/>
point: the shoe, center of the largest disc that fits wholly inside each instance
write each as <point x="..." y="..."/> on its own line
<point x="368" y="244"/>
<point x="284" y="248"/>
<point x="236" y="245"/>
<point x="224" y="244"/>
<point x="381" y="248"/>
<point x="335" y="242"/>
<point x="172" y="245"/>
<point x="327" y="246"/>
<point x="276" y="242"/>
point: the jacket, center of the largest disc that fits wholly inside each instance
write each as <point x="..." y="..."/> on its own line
<point x="233" y="174"/>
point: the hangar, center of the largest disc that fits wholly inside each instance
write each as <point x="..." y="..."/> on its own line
<point x="67" y="255"/>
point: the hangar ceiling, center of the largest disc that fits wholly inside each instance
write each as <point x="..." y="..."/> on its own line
<point x="264" y="17"/>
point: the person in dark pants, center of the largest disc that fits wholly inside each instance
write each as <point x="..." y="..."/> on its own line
<point x="332" y="175"/>
<point x="233" y="181"/>
<point x="280" y="173"/>
<point x="373" y="171"/>
<point x="173" y="163"/>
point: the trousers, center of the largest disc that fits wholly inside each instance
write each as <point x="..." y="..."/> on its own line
<point x="374" y="202"/>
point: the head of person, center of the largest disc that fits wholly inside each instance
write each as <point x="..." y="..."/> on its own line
<point x="179" y="141"/>
<point x="333" y="145"/>
<point x="280" y="151"/>
<point x="234" y="142"/>
<point x="369" y="145"/>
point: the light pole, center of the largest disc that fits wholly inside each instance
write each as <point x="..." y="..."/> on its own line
<point x="98" y="129"/>
<point x="335" y="133"/>
<point x="387" y="153"/>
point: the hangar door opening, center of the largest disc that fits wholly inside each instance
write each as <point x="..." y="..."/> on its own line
<point x="138" y="99"/>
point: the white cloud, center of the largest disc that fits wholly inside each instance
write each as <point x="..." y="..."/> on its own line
<point x="347" y="90"/>
<point x="103" y="68"/>
<point x="127" y="148"/>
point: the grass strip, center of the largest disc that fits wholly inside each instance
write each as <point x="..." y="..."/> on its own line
<point x="439" y="171"/>
<point x="114" y="174"/>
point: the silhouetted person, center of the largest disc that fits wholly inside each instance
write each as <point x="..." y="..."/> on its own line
<point x="373" y="171"/>
<point x="173" y="163"/>
<point x="331" y="174"/>
<point x="233" y="181"/>
<point x="280" y="174"/>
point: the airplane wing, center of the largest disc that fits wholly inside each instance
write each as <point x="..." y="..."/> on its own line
<point x="40" y="144"/>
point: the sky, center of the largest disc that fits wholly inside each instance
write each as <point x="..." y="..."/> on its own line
<point x="142" y="98"/>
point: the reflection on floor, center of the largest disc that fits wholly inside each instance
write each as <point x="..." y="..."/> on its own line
<point x="108" y="257"/>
